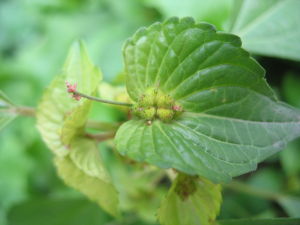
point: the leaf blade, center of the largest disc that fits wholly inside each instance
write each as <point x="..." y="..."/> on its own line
<point x="59" y="117"/>
<point x="232" y="120"/>
<point x="255" y="24"/>
<point x="199" y="207"/>
<point x="83" y="170"/>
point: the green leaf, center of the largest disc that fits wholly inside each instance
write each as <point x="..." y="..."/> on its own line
<point x="59" y="117"/>
<point x="141" y="193"/>
<point x="231" y="119"/>
<point x="291" y="205"/>
<point x="190" y="200"/>
<point x="57" y="212"/>
<point x="291" y="91"/>
<point x="290" y="158"/>
<point x="269" y="27"/>
<point x="5" y="115"/>
<point x="83" y="170"/>
<point x="275" y="221"/>
<point x="61" y="120"/>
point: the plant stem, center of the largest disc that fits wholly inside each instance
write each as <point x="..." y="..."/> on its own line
<point x="101" y="137"/>
<point x="21" y="110"/>
<point x="98" y="125"/>
<point x="26" y="111"/>
<point x="102" y="100"/>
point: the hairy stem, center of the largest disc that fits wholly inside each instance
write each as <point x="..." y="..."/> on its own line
<point x="102" y="100"/>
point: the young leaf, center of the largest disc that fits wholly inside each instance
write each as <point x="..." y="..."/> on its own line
<point x="5" y="116"/>
<point x="191" y="200"/>
<point x="83" y="170"/>
<point x="254" y="23"/>
<point x="59" y="117"/>
<point x="231" y="119"/>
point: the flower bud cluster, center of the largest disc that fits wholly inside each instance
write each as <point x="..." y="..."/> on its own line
<point x="185" y="186"/>
<point x="155" y="104"/>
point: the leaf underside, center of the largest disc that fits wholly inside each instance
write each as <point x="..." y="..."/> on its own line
<point x="232" y="119"/>
<point x="56" y="111"/>
<point x="83" y="170"/>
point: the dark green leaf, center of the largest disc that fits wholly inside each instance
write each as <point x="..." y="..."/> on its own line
<point x="231" y="119"/>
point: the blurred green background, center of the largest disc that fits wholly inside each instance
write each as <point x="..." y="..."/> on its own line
<point x="34" y="39"/>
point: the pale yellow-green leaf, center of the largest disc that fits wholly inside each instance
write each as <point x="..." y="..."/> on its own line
<point x="200" y="207"/>
<point x="83" y="170"/>
<point x="59" y="117"/>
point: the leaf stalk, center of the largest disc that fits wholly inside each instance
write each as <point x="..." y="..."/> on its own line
<point x="102" y="100"/>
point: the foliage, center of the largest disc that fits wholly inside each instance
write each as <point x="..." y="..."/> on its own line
<point x="61" y="121"/>
<point x="201" y="105"/>
<point x="190" y="200"/>
<point x="228" y="124"/>
<point x="255" y="21"/>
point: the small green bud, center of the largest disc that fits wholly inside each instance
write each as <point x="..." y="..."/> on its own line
<point x="151" y="91"/>
<point x="148" y="99"/>
<point x="165" y="115"/>
<point x="186" y="186"/>
<point x="137" y="110"/>
<point x="149" y="113"/>
<point x="164" y="101"/>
